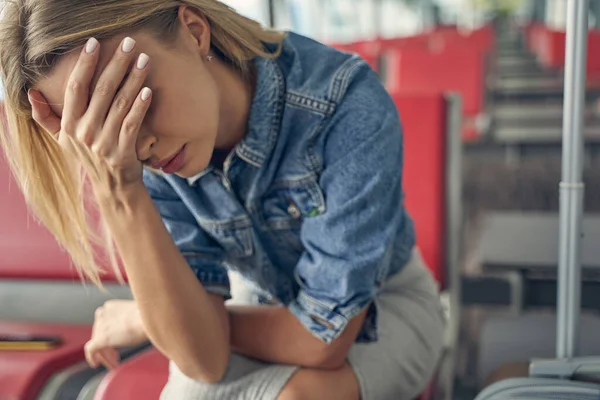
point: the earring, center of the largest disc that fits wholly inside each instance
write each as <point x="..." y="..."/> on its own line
<point x="209" y="58"/>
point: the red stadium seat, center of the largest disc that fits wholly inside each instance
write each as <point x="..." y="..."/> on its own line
<point x="431" y="161"/>
<point x="28" y="252"/>
<point x="24" y="373"/>
<point x="457" y="69"/>
<point x="142" y="377"/>
<point x="549" y="47"/>
<point x="424" y="128"/>
<point x="27" y="249"/>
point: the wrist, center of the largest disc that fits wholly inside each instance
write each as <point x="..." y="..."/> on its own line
<point x="121" y="199"/>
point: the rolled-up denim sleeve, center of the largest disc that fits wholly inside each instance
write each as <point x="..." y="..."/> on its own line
<point x="203" y="255"/>
<point x="348" y="248"/>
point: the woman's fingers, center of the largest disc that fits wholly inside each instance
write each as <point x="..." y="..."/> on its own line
<point x="109" y="82"/>
<point x="125" y="99"/>
<point x="78" y="86"/>
<point x="112" y="356"/>
<point x="97" y="355"/>
<point x="43" y="114"/>
<point x="133" y="121"/>
<point x="108" y="357"/>
<point x="90" y="354"/>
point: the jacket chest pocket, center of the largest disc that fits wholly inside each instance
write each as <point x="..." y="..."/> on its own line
<point x="234" y="236"/>
<point x="286" y="206"/>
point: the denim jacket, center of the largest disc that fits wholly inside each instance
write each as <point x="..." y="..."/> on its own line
<point x="308" y="206"/>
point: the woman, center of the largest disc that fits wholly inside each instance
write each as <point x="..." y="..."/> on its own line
<point x="212" y="145"/>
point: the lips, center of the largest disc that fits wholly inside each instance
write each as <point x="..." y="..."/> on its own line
<point x="172" y="164"/>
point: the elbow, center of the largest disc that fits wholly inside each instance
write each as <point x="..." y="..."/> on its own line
<point x="208" y="377"/>
<point x="208" y="365"/>
<point x="210" y="373"/>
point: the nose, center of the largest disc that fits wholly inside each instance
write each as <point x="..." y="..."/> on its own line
<point x="144" y="146"/>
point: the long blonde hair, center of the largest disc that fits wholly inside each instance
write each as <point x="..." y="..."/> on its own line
<point x="33" y="35"/>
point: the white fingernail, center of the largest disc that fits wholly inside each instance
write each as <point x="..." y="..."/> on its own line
<point x="146" y="92"/>
<point x="128" y="44"/>
<point x="91" y="45"/>
<point x="142" y="61"/>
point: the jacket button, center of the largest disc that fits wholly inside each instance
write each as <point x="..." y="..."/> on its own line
<point x="294" y="212"/>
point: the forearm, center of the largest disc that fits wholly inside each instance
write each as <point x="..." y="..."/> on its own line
<point x="181" y="319"/>
<point x="274" y="334"/>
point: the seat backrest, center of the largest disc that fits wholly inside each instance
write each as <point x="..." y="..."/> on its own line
<point x="424" y="178"/>
<point x="549" y="47"/>
<point x="27" y="249"/>
<point x="457" y="69"/>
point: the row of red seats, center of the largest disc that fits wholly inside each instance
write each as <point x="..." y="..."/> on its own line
<point x="29" y="253"/>
<point x="548" y="45"/>
<point x="442" y="60"/>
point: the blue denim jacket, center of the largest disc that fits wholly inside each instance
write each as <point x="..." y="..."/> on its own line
<point x="309" y="206"/>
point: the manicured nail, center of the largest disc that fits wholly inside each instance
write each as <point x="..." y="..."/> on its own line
<point x="146" y="92"/>
<point x="142" y="61"/>
<point x="128" y="44"/>
<point x="91" y="45"/>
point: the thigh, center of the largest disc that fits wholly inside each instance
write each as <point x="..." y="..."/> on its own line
<point x="410" y="338"/>
<point x="245" y="379"/>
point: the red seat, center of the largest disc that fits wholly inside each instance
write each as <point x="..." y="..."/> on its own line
<point x="430" y="163"/>
<point x="142" y="377"/>
<point x="29" y="252"/>
<point x="24" y="373"/>
<point x="458" y="69"/>
<point x="424" y="173"/>
<point x="549" y="46"/>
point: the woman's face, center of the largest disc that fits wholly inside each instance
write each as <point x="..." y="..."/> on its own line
<point x="184" y="113"/>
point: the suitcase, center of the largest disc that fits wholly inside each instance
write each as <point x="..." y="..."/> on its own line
<point x="567" y="377"/>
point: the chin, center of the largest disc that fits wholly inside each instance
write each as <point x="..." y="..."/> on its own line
<point x="190" y="171"/>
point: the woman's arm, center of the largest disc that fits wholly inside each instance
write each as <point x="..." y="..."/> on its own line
<point x="181" y="319"/>
<point x="186" y="323"/>
<point x="274" y="334"/>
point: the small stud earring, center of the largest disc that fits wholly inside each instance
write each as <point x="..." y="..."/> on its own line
<point x="209" y="58"/>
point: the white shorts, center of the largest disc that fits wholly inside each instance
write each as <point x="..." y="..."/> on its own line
<point x="398" y="365"/>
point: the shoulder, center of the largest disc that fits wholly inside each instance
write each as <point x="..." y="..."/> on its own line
<point x="318" y="71"/>
<point x="364" y="113"/>
<point x="344" y="81"/>
<point x="345" y="100"/>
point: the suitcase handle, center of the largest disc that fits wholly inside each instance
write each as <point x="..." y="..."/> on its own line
<point x="580" y="368"/>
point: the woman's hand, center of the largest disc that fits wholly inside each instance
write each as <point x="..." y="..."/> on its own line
<point x="116" y="324"/>
<point x="100" y="126"/>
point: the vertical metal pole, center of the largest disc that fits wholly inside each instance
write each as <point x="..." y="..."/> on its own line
<point x="271" y="5"/>
<point x="454" y="218"/>
<point x="571" y="187"/>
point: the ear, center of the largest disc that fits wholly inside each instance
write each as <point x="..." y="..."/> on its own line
<point x="196" y="27"/>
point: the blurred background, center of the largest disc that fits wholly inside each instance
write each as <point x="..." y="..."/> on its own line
<point x="479" y="85"/>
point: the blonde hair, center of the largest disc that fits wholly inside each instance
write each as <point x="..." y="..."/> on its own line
<point x="33" y="35"/>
